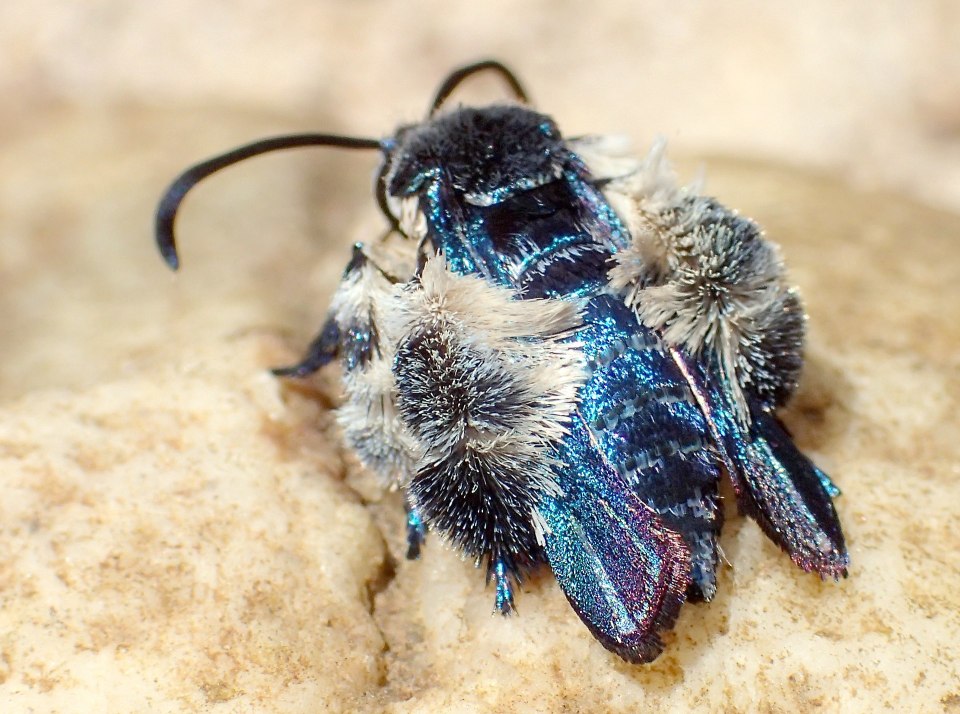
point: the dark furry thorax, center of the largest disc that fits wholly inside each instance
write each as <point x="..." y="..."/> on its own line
<point x="486" y="155"/>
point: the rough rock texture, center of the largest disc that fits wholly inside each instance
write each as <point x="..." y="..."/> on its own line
<point x="179" y="532"/>
<point x="166" y="546"/>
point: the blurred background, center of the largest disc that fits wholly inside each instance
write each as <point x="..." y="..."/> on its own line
<point x="872" y="89"/>
<point x="157" y="446"/>
<point x="106" y="100"/>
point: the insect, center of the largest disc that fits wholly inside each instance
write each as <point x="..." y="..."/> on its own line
<point x="555" y="353"/>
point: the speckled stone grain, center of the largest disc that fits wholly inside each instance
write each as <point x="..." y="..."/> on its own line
<point x="180" y="532"/>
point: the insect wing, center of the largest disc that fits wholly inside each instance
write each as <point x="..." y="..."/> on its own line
<point x="622" y="570"/>
<point x="788" y="496"/>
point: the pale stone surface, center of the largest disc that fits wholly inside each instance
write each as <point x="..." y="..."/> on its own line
<point x="170" y="543"/>
<point x="176" y="534"/>
<point x="179" y="532"/>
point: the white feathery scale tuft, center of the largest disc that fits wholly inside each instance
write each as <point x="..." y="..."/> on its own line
<point x="496" y="312"/>
<point x="521" y="346"/>
<point x="486" y="378"/>
<point x="368" y="415"/>
<point x="707" y="280"/>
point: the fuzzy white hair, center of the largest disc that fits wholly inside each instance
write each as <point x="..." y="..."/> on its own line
<point x="521" y="345"/>
<point x="702" y="276"/>
<point x="486" y="375"/>
<point x="410" y="219"/>
<point x="526" y="338"/>
<point x="368" y="415"/>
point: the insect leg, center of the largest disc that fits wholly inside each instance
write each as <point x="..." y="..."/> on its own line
<point x="350" y="331"/>
<point x="322" y="350"/>
<point x="416" y="531"/>
<point x="502" y="574"/>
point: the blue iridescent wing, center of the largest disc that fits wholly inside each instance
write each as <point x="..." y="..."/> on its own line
<point x="633" y="533"/>
<point x="625" y="573"/>
<point x="647" y="424"/>
<point x="788" y="496"/>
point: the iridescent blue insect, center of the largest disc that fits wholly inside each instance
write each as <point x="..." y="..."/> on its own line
<point x="556" y="353"/>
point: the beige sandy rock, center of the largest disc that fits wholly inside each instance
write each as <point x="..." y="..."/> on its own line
<point x="180" y="532"/>
<point x="170" y="543"/>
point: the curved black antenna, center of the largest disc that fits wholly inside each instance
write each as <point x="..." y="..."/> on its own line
<point x="174" y="195"/>
<point x="457" y="76"/>
<point x="382" y="196"/>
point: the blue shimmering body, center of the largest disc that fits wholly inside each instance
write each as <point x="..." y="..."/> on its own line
<point x="546" y="242"/>
<point x="633" y="531"/>
<point x="637" y="444"/>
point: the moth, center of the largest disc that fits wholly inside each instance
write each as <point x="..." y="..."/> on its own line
<point x="555" y="353"/>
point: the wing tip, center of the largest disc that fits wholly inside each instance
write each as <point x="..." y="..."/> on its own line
<point x="644" y="653"/>
<point x="833" y="564"/>
<point x="646" y="645"/>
